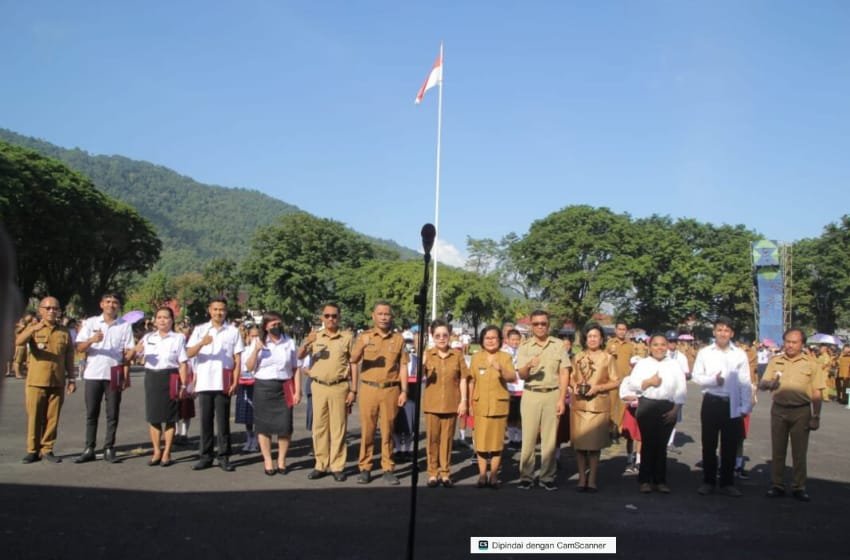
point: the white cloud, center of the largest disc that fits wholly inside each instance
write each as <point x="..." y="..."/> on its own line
<point x="446" y="253"/>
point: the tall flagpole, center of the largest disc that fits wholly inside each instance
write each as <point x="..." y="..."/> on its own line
<point x="437" y="187"/>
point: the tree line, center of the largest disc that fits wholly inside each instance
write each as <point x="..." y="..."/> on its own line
<point x="75" y="242"/>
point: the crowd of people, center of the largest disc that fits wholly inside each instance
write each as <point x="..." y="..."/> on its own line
<point x="532" y="393"/>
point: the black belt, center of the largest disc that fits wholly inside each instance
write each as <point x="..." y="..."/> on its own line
<point x="540" y="389"/>
<point x="381" y="385"/>
<point x="792" y="405"/>
<point x="331" y="384"/>
<point x="716" y="397"/>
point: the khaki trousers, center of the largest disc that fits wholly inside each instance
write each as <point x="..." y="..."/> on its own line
<point x="43" y="405"/>
<point x="789" y="422"/>
<point x="539" y="416"/>
<point x="440" y="429"/>
<point x="377" y="405"/>
<point x="330" y="421"/>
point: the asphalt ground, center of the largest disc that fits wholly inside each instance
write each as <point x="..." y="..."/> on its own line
<point x="130" y="510"/>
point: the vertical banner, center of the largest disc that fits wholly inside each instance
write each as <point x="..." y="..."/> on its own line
<point x="770" y="289"/>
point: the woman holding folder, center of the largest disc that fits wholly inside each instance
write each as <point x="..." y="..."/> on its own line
<point x="272" y="358"/>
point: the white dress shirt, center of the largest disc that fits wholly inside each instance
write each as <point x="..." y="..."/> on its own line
<point x="109" y="352"/>
<point x="164" y="351"/>
<point x="733" y="366"/>
<point x="673" y="384"/>
<point x="681" y="360"/>
<point x="277" y="361"/>
<point x="215" y="357"/>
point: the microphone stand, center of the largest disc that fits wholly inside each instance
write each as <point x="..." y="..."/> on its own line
<point x="422" y="301"/>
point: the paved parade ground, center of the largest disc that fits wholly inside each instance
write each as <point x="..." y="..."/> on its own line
<point x="129" y="510"/>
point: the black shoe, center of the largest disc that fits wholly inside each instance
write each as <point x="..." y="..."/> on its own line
<point x="154" y="462"/>
<point x="30" y="458"/>
<point x="340" y="476"/>
<point x="109" y="455"/>
<point x="202" y="464"/>
<point x="166" y="463"/>
<point x="315" y="474"/>
<point x="801" y="496"/>
<point x="550" y="486"/>
<point x="270" y="472"/>
<point x="525" y="485"/>
<point x="775" y="492"/>
<point x="87" y="456"/>
<point x="433" y="483"/>
<point x="390" y="478"/>
<point x="365" y="477"/>
<point x="224" y="464"/>
<point x="51" y="458"/>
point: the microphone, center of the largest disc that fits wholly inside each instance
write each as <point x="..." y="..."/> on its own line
<point x="429" y="232"/>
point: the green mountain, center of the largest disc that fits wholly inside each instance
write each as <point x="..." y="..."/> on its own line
<point x="196" y="222"/>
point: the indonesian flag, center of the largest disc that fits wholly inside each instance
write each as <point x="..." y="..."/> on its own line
<point x="434" y="78"/>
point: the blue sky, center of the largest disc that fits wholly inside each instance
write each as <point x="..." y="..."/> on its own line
<point x="724" y="111"/>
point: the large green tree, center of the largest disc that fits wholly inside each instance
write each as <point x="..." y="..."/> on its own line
<point x="578" y="258"/>
<point x="71" y="239"/>
<point x="291" y="265"/>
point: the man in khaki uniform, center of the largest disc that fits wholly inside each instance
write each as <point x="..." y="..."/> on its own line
<point x="382" y="390"/>
<point x="51" y="367"/>
<point x="545" y="367"/>
<point x="797" y="384"/>
<point x="842" y="381"/>
<point x="622" y="350"/>
<point x="334" y="390"/>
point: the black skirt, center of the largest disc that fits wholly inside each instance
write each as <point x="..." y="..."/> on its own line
<point x="159" y="408"/>
<point x="271" y="414"/>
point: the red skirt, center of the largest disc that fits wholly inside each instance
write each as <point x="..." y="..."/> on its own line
<point x="630" y="427"/>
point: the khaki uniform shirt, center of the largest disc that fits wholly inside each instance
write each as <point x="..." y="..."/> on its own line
<point x="595" y="368"/>
<point x="753" y="359"/>
<point x="51" y="357"/>
<point x="490" y="396"/>
<point x="553" y="357"/>
<point x="801" y="376"/>
<point x="844" y="367"/>
<point x="331" y="356"/>
<point x="622" y="351"/>
<point x="443" y="377"/>
<point x="384" y="357"/>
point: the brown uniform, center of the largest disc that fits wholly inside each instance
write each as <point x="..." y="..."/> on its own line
<point x="538" y="406"/>
<point x="801" y="380"/>
<point x="383" y="358"/>
<point x="622" y="352"/>
<point x="330" y="370"/>
<point x="50" y="365"/>
<point x="440" y="402"/>
<point x="842" y="381"/>
<point x="490" y="400"/>
<point x="589" y="417"/>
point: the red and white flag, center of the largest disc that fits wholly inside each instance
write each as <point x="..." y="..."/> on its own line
<point x="434" y="78"/>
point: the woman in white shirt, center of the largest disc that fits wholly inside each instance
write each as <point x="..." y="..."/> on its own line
<point x="272" y="358"/>
<point x="661" y="385"/>
<point x="165" y="360"/>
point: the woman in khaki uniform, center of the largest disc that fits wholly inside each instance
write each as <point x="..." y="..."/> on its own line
<point x="445" y="399"/>
<point x="594" y="376"/>
<point x="490" y="371"/>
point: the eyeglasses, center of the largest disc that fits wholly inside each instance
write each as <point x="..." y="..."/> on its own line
<point x="540" y="324"/>
<point x="330" y="315"/>
<point x="50" y="308"/>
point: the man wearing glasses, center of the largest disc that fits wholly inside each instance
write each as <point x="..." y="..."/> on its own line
<point x="544" y="366"/>
<point x="334" y="390"/>
<point x="51" y="374"/>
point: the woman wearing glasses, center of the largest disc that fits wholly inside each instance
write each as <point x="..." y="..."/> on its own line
<point x="444" y="400"/>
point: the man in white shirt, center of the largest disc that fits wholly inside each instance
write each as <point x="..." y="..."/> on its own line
<point x="107" y="342"/>
<point x="679" y="358"/>
<point x="216" y="348"/>
<point x="722" y="370"/>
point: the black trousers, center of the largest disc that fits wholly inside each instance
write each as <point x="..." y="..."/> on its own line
<point x="841" y="388"/>
<point x="716" y="422"/>
<point x="654" y="433"/>
<point x="95" y="392"/>
<point x="215" y="406"/>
